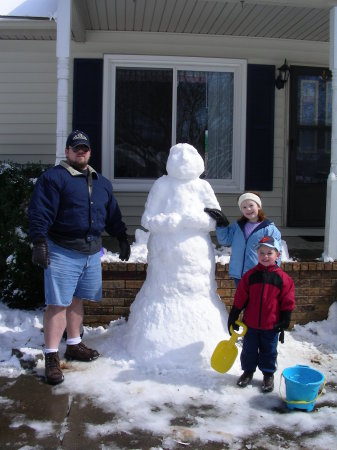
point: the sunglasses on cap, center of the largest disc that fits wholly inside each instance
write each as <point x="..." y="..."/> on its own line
<point x="84" y="148"/>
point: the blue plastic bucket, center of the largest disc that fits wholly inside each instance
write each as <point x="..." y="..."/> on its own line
<point x="302" y="386"/>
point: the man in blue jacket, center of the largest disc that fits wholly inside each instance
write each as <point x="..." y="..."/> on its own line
<point x="69" y="209"/>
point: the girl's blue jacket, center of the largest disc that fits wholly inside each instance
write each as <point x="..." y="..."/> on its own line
<point x="67" y="205"/>
<point x="244" y="251"/>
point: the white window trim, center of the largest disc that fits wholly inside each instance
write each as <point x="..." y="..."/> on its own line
<point x="239" y="69"/>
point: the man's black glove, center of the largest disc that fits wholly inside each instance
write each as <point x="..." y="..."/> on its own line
<point x="125" y="249"/>
<point x="218" y="216"/>
<point x="283" y="324"/>
<point x="232" y="318"/>
<point x="40" y="254"/>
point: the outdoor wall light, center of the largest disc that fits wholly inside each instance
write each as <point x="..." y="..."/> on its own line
<point x="283" y="75"/>
<point x="325" y="77"/>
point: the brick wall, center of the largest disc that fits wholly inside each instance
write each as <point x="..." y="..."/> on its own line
<point x="315" y="290"/>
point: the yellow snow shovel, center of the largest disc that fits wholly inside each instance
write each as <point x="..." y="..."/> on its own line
<point x="226" y="352"/>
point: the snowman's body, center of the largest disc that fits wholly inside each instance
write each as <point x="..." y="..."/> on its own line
<point x="177" y="317"/>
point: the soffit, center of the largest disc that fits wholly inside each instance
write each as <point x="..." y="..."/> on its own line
<point x="306" y="20"/>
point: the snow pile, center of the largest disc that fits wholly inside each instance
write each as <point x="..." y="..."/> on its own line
<point x="20" y="333"/>
<point x="186" y="404"/>
<point x="138" y="250"/>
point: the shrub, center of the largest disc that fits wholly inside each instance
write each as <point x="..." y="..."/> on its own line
<point x="21" y="282"/>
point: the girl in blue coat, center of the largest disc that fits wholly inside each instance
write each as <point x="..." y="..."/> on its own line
<point x="244" y="234"/>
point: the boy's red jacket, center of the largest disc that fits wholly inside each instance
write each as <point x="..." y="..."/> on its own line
<point x="264" y="292"/>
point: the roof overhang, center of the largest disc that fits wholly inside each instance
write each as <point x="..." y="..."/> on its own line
<point x="306" y="20"/>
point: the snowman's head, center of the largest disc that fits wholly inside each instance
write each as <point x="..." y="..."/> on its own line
<point x="184" y="162"/>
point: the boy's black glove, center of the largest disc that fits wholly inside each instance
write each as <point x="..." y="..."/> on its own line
<point x="232" y="318"/>
<point x="40" y="253"/>
<point x="125" y="249"/>
<point x="283" y="324"/>
<point x="218" y="216"/>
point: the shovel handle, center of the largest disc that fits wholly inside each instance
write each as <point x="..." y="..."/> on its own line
<point x="244" y="329"/>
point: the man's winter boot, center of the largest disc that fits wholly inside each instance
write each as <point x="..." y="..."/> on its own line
<point x="268" y="382"/>
<point x="53" y="370"/>
<point x="245" y="379"/>
<point x="80" y="352"/>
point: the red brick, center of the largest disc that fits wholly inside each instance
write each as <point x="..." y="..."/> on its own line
<point x="220" y="267"/>
<point x="122" y="310"/>
<point x="111" y="284"/>
<point x="315" y="284"/>
<point x="296" y="267"/>
<point x="133" y="284"/>
<point x="224" y="292"/>
<point x="113" y="301"/>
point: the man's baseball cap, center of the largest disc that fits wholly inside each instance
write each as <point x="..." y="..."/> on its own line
<point x="76" y="138"/>
<point x="269" y="241"/>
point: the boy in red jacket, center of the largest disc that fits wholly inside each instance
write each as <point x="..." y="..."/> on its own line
<point x="267" y="295"/>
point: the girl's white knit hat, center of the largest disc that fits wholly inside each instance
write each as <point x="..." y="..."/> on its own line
<point x="250" y="196"/>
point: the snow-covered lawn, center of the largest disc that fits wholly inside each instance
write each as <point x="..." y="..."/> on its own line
<point x="186" y="405"/>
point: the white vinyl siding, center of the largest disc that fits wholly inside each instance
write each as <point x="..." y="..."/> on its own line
<point x="28" y="91"/>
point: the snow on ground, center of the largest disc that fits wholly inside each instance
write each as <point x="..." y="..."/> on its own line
<point x="139" y="251"/>
<point x="188" y="401"/>
<point x="186" y="404"/>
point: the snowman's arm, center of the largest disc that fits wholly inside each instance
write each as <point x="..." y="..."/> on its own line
<point x="197" y="218"/>
<point x="155" y="217"/>
<point x="208" y="196"/>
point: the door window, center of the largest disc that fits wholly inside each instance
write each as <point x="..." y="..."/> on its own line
<point x="310" y="145"/>
<point x="314" y="129"/>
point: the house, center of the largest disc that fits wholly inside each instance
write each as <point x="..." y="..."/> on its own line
<point x="249" y="83"/>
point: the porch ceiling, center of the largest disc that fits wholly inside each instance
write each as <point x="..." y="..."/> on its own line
<point x="275" y="19"/>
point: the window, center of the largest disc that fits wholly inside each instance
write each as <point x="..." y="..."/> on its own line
<point x="151" y="103"/>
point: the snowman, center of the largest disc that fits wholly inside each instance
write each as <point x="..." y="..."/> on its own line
<point x="177" y="318"/>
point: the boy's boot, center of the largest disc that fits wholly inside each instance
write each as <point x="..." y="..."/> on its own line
<point x="245" y="379"/>
<point x="53" y="370"/>
<point x="80" y="352"/>
<point x="268" y="382"/>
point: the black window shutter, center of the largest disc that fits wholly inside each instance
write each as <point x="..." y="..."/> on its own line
<point x="87" y="104"/>
<point x="260" y="127"/>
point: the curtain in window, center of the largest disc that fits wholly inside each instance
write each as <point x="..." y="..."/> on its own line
<point x="205" y="118"/>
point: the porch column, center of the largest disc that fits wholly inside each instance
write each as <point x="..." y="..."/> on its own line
<point x="330" y="236"/>
<point x="62" y="55"/>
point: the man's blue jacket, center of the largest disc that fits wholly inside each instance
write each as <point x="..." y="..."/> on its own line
<point x="66" y="204"/>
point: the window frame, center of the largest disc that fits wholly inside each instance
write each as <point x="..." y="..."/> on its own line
<point x="239" y="69"/>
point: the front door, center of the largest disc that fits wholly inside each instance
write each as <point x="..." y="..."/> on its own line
<point x="309" y="145"/>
